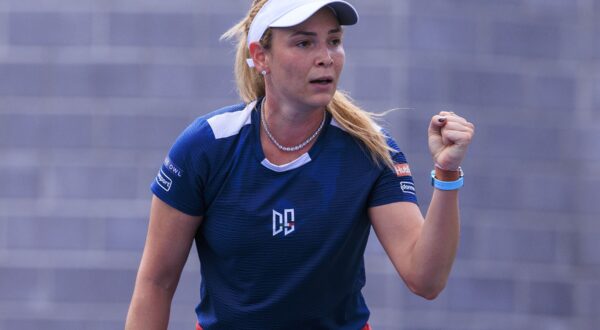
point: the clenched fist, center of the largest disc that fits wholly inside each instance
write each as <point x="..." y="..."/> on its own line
<point x="449" y="138"/>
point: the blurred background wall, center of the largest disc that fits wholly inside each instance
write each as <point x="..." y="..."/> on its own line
<point x="93" y="93"/>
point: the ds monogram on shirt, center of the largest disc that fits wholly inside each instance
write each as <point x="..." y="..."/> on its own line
<point x="283" y="222"/>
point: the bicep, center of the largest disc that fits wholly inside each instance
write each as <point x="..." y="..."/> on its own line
<point x="168" y="242"/>
<point x="398" y="227"/>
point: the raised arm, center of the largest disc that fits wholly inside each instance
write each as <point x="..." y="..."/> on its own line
<point x="423" y="250"/>
<point x="168" y="243"/>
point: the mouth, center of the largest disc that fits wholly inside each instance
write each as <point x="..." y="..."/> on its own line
<point x="322" y="81"/>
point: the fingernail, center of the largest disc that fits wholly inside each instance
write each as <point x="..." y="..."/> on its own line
<point x="442" y="119"/>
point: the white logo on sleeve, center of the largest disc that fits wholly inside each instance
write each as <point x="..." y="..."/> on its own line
<point x="407" y="187"/>
<point x="172" y="167"/>
<point x="163" y="180"/>
<point x="283" y="222"/>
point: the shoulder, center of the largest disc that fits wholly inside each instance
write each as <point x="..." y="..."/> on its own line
<point x="228" y="121"/>
<point x="206" y="131"/>
<point x="218" y="124"/>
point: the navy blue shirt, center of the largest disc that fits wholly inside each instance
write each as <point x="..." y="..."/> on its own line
<point x="280" y="247"/>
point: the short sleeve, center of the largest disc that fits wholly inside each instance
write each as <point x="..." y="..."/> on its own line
<point x="179" y="181"/>
<point x="395" y="185"/>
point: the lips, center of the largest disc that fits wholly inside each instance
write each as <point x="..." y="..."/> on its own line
<point x="322" y="80"/>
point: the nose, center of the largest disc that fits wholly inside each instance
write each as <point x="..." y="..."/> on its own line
<point x="325" y="58"/>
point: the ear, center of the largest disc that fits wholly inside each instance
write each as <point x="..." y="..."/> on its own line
<point x="259" y="56"/>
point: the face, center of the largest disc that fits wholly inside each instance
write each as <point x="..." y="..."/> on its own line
<point x="305" y="61"/>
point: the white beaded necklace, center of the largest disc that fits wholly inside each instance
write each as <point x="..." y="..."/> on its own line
<point x="277" y="144"/>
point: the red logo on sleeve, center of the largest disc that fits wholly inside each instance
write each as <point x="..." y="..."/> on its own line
<point x="402" y="170"/>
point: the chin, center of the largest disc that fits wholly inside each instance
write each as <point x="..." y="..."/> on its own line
<point x="323" y="100"/>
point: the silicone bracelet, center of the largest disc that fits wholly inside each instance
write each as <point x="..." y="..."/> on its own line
<point x="447" y="185"/>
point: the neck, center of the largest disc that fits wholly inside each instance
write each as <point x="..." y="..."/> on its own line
<point x="292" y="115"/>
<point x="291" y="127"/>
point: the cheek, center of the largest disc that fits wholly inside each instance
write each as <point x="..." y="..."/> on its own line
<point x="339" y="59"/>
<point x="288" y="64"/>
<point x="291" y="70"/>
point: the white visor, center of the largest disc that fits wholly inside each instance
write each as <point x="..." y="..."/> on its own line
<point x="287" y="13"/>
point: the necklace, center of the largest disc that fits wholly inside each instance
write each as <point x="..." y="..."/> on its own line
<point x="277" y="144"/>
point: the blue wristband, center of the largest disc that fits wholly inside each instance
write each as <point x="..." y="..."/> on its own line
<point x="447" y="185"/>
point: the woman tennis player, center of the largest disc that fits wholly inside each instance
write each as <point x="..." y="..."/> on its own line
<point x="280" y="192"/>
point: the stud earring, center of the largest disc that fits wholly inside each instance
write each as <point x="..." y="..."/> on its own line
<point x="263" y="72"/>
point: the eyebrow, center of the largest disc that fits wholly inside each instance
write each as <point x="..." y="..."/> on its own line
<point x="306" y="33"/>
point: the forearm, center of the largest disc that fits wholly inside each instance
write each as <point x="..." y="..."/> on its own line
<point x="435" y="250"/>
<point x="150" y="307"/>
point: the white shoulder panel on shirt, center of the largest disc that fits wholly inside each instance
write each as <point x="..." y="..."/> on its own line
<point x="230" y="123"/>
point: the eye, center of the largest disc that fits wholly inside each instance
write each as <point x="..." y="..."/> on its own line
<point x="303" y="43"/>
<point x="336" y="42"/>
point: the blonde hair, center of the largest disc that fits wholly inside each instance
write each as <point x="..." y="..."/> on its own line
<point x="358" y="123"/>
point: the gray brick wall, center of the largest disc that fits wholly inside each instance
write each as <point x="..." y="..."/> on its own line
<point x="92" y="94"/>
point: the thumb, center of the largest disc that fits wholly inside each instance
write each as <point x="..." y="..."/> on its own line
<point x="436" y="124"/>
